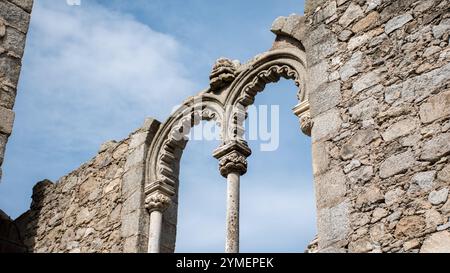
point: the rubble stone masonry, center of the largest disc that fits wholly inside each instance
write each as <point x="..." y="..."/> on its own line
<point x="96" y="208"/>
<point x="14" y="21"/>
<point x="380" y="103"/>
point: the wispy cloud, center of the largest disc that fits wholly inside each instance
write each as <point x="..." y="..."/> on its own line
<point x="92" y="73"/>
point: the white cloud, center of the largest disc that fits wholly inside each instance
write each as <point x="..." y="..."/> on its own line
<point x="92" y="74"/>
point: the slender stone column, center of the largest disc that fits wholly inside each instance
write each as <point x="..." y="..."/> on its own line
<point x="232" y="242"/>
<point x="232" y="164"/>
<point x="156" y="204"/>
<point x="154" y="234"/>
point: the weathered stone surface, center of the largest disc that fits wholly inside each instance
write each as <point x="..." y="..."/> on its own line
<point x="436" y="107"/>
<point x="15" y="16"/>
<point x="397" y="164"/>
<point x="330" y="188"/>
<point x="6" y="121"/>
<point x="425" y="180"/>
<point x="2" y="29"/>
<point x="433" y="219"/>
<point x="426" y="4"/>
<point x="351" y="67"/>
<point x="3" y="140"/>
<point x="318" y="35"/>
<point x="431" y="50"/>
<point x="352" y="13"/>
<point x="14" y="20"/>
<point x="441" y="29"/>
<point x="362" y="245"/>
<point x="371" y="194"/>
<point x="326" y="124"/>
<point x="438" y="197"/>
<point x="24" y="4"/>
<point x="436" y="148"/>
<point x="400" y="128"/>
<point x="365" y="109"/>
<point x="446" y="207"/>
<point x="372" y="4"/>
<point x="317" y="75"/>
<point x="397" y="22"/>
<point x="321" y="159"/>
<point x="363" y="174"/>
<point x="419" y="86"/>
<point x="14" y="41"/>
<point x="278" y="24"/>
<point x="393" y="196"/>
<point x="438" y="242"/>
<point x="358" y="41"/>
<point x="326" y="97"/>
<point x="378" y="214"/>
<point x="326" y="12"/>
<point x="444" y="174"/>
<point x="345" y="35"/>
<point x="292" y="23"/>
<point x="367" y="22"/>
<point x="409" y="226"/>
<point x="323" y="49"/>
<point x="355" y="163"/>
<point x="333" y="224"/>
<point x="411" y="244"/>
<point x="367" y="80"/>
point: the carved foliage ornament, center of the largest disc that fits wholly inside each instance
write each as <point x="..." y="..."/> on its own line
<point x="233" y="162"/>
<point x="222" y="74"/>
<point x="306" y="124"/>
<point x="157" y="201"/>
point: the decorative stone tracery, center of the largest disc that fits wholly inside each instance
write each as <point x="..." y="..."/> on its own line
<point x="233" y="87"/>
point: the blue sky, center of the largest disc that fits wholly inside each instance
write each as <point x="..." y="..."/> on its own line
<point x="93" y="72"/>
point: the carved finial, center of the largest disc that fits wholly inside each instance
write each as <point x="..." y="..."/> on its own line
<point x="222" y="74"/>
<point x="233" y="157"/>
<point x="157" y="201"/>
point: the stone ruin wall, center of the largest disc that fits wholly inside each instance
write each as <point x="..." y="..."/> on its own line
<point x="96" y="208"/>
<point x="380" y="102"/>
<point x="14" y="21"/>
<point x="379" y="75"/>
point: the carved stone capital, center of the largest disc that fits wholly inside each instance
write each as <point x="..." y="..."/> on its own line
<point x="233" y="157"/>
<point x="306" y="124"/>
<point x="158" y="196"/>
<point x="304" y="116"/>
<point x="157" y="201"/>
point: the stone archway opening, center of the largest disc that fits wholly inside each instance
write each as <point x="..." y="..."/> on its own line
<point x="232" y="91"/>
<point x="278" y="207"/>
<point x="201" y="209"/>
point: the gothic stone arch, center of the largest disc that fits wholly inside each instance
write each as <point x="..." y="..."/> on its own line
<point x="233" y="87"/>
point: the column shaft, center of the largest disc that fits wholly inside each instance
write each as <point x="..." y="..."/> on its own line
<point x="232" y="240"/>
<point x="154" y="240"/>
